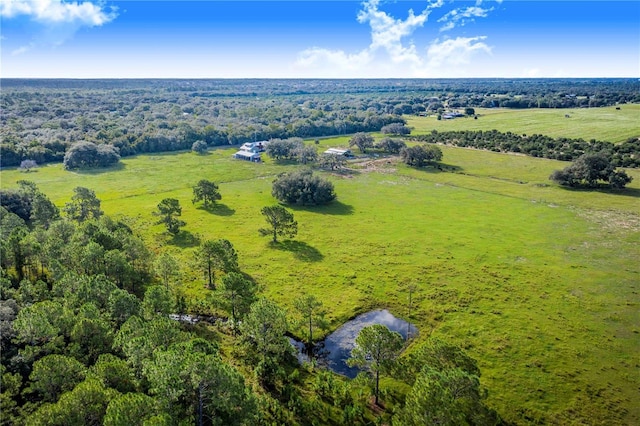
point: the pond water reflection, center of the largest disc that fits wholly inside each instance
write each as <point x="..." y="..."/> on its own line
<point x="335" y="349"/>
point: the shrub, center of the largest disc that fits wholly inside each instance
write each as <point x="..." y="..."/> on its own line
<point x="199" y="147"/>
<point x="303" y="188"/>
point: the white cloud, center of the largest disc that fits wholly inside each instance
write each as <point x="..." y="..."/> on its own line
<point x="58" y="20"/>
<point x="57" y="11"/>
<point x="389" y="54"/>
<point x="461" y="17"/>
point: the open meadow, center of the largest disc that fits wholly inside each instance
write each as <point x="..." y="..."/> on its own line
<point x="604" y="124"/>
<point x="540" y="284"/>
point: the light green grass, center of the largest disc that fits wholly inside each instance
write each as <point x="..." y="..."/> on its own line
<point x="605" y="124"/>
<point x="539" y="283"/>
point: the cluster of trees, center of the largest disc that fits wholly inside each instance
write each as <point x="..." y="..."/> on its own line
<point x="303" y="188"/>
<point x="421" y="155"/>
<point x="292" y="149"/>
<point x="591" y="170"/>
<point x="626" y="154"/>
<point x="42" y="119"/>
<point x="85" y="155"/>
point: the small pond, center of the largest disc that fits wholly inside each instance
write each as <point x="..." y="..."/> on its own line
<point x="335" y="349"/>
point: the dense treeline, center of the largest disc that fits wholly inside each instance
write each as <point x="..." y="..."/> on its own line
<point x="41" y="119"/>
<point x="626" y="154"/>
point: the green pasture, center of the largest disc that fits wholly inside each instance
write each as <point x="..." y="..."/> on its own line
<point x="605" y="124"/>
<point x="537" y="282"/>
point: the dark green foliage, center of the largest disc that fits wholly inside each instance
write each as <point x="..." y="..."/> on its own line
<point x="207" y="192"/>
<point x="391" y="146"/>
<point x="55" y="374"/>
<point x="114" y="373"/>
<point x="85" y="155"/>
<point x="168" y="210"/>
<point x="83" y="205"/>
<point x="590" y="170"/>
<point x="469" y="111"/>
<point x="420" y="155"/>
<point x="303" y="188"/>
<point x="281" y="222"/>
<point x="362" y="140"/>
<point x="17" y="203"/>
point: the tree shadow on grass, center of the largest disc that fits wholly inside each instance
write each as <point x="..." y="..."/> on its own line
<point x="333" y="208"/>
<point x="99" y="170"/>
<point x="626" y="192"/>
<point x="440" y="168"/>
<point x="218" y="209"/>
<point x="301" y="250"/>
<point x="184" y="239"/>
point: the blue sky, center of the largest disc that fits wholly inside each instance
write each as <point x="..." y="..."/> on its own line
<point x="323" y="39"/>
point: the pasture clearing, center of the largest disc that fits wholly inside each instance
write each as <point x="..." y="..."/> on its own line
<point x="538" y="283"/>
<point x="604" y="124"/>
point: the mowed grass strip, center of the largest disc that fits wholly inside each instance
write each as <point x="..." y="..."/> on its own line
<point x="539" y="283"/>
<point x="604" y="124"/>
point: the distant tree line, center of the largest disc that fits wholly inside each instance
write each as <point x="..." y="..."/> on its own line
<point x="626" y="154"/>
<point x="42" y="119"/>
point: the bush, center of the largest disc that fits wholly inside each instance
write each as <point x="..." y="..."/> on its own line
<point x="199" y="147"/>
<point x="303" y="188"/>
<point x="87" y="154"/>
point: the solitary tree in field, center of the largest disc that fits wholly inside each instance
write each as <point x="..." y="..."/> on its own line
<point x="376" y="349"/>
<point x="207" y="192"/>
<point x="362" y="141"/>
<point x="83" y="205"/>
<point x="589" y="170"/>
<point x="168" y="211"/>
<point x="420" y="155"/>
<point x="281" y="223"/>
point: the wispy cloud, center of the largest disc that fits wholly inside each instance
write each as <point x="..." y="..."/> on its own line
<point x="58" y="20"/>
<point x="461" y="17"/>
<point x="391" y="52"/>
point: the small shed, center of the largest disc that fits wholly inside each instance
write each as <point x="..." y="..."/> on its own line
<point x="248" y="156"/>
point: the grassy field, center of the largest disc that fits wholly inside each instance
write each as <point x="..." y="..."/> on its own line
<point x="539" y="283"/>
<point x="606" y="124"/>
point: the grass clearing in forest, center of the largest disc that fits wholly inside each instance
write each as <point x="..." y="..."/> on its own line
<point x="540" y="284"/>
<point x="604" y="124"/>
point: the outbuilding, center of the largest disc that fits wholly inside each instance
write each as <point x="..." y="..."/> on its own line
<point x="248" y="156"/>
<point x="337" y="151"/>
